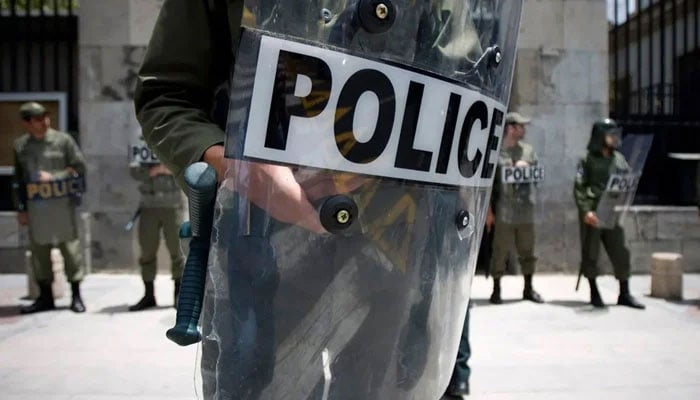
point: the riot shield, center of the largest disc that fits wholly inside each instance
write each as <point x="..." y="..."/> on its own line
<point x="623" y="181"/>
<point x="363" y="139"/>
<point x="140" y="154"/>
<point x="517" y="183"/>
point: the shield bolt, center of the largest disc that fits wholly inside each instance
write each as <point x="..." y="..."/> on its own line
<point x="326" y="15"/>
<point x="343" y="216"/>
<point x="462" y="219"/>
<point x="382" y="11"/>
<point x="499" y="57"/>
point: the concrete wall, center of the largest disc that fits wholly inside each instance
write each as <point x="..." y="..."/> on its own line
<point x="113" y="38"/>
<point x="651" y="229"/>
<point x="561" y="80"/>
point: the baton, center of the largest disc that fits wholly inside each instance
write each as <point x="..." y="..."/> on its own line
<point x="578" y="280"/>
<point x="130" y="225"/>
<point x="200" y="179"/>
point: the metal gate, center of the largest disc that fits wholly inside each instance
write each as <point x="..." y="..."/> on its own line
<point x="654" y="81"/>
<point x="39" y="49"/>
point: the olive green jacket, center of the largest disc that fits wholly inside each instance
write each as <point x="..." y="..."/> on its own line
<point x="189" y="58"/>
<point x="592" y="178"/>
<point x="54" y="154"/>
<point x="50" y="220"/>
<point x="156" y="192"/>
<point x="514" y="203"/>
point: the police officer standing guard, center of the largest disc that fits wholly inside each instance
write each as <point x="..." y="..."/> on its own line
<point x="592" y="178"/>
<point x="48" y="165"/>
<point x="161" y="208"/>
<point x="512" y="210"/>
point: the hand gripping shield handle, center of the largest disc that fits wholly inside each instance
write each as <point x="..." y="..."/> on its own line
<point x="200" y="179"/>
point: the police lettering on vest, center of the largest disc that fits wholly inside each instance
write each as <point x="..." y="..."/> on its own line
<point x="141" y="154"/>
<point x="515" y="175"/>
<point x="71" y="187"/>
<point x="622" y="183"/>
<point x="320" y="108"/>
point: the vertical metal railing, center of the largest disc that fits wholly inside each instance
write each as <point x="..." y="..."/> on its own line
<point x="655" y="70"/>
<point x="38" y="43"/>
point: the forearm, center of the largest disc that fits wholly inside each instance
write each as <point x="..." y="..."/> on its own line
<point x="274" y="189"/>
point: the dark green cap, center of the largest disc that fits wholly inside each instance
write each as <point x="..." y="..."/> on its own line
<point x="32" y="109"/>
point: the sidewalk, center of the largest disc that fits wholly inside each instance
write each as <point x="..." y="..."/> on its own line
<point x="560" y="350"/>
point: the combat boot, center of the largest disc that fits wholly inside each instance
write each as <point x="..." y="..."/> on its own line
<point x="457" y="390"/>
<point x="76" y="303"/>
<point x="176" y="293"/>
<point x="42" y="303"/>
<point x="148" y="300"/>
<point x="626" y="299"/>
<point x="496" y="295"/>
<point x="596" y="300"/>
<point x="529" y="293"/>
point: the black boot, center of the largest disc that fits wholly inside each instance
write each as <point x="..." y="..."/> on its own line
<point x="177" y="292"/>
<point x="43" y="303"/>
<point x="496" y="295"/>
<point x="148" y="300"/>
<point x="76" y="303"/>
<point x="626" y="299"/>
<point x="529" y="293"/>
<point x="596" y="300"/>
<point x="457" y="390"/>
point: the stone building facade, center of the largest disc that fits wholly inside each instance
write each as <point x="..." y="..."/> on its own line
<point x="561" y="81"/>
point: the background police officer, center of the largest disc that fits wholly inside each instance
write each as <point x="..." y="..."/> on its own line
<point x="45" y="155"/>
<point x="592" y="177"/>
<point x="512" y="210"/>
<point x="161" y="209"/>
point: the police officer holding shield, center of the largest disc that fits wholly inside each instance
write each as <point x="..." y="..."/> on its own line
<point x="512" y="211"/>
<point x="288" y="312"/>
<point x="592" y="177"/>
<point x="161" y="209"/>
<point x="48" y="164"/>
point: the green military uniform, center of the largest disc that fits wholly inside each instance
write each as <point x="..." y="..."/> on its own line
<point x="52" y="222"/>
<point x="161" y="209"/>
<point x="51" y="216"/>
<point x="591" y="181"/>
<point x="514" y="206"/>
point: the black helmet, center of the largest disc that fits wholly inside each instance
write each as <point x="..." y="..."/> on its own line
<point x="602" y="128"/>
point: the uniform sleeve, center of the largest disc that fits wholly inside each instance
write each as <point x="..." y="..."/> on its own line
<point x="183" y="67"/>
<point x="74" y="157"/>
<point x="19" y="185"/>
<point x="583" y="201"/>
<point x="139" y="172"/>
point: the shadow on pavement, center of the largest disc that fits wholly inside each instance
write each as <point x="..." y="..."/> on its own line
<point x="485" y="302"/>
<point x="686" y="302"/>
<point x="13" y="311"/>
<point x="9" y="311"/>
<point x="578" y="306"/>
<point x="124" y="308"/>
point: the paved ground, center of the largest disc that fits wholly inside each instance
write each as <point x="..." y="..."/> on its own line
<point x="561" y="350"/>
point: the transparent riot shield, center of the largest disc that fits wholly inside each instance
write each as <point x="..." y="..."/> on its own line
<point x="623" y="181"/>
<point x="139" y="153"/>
<point x="363" y="140"/>
<point x="517" y="183"/>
